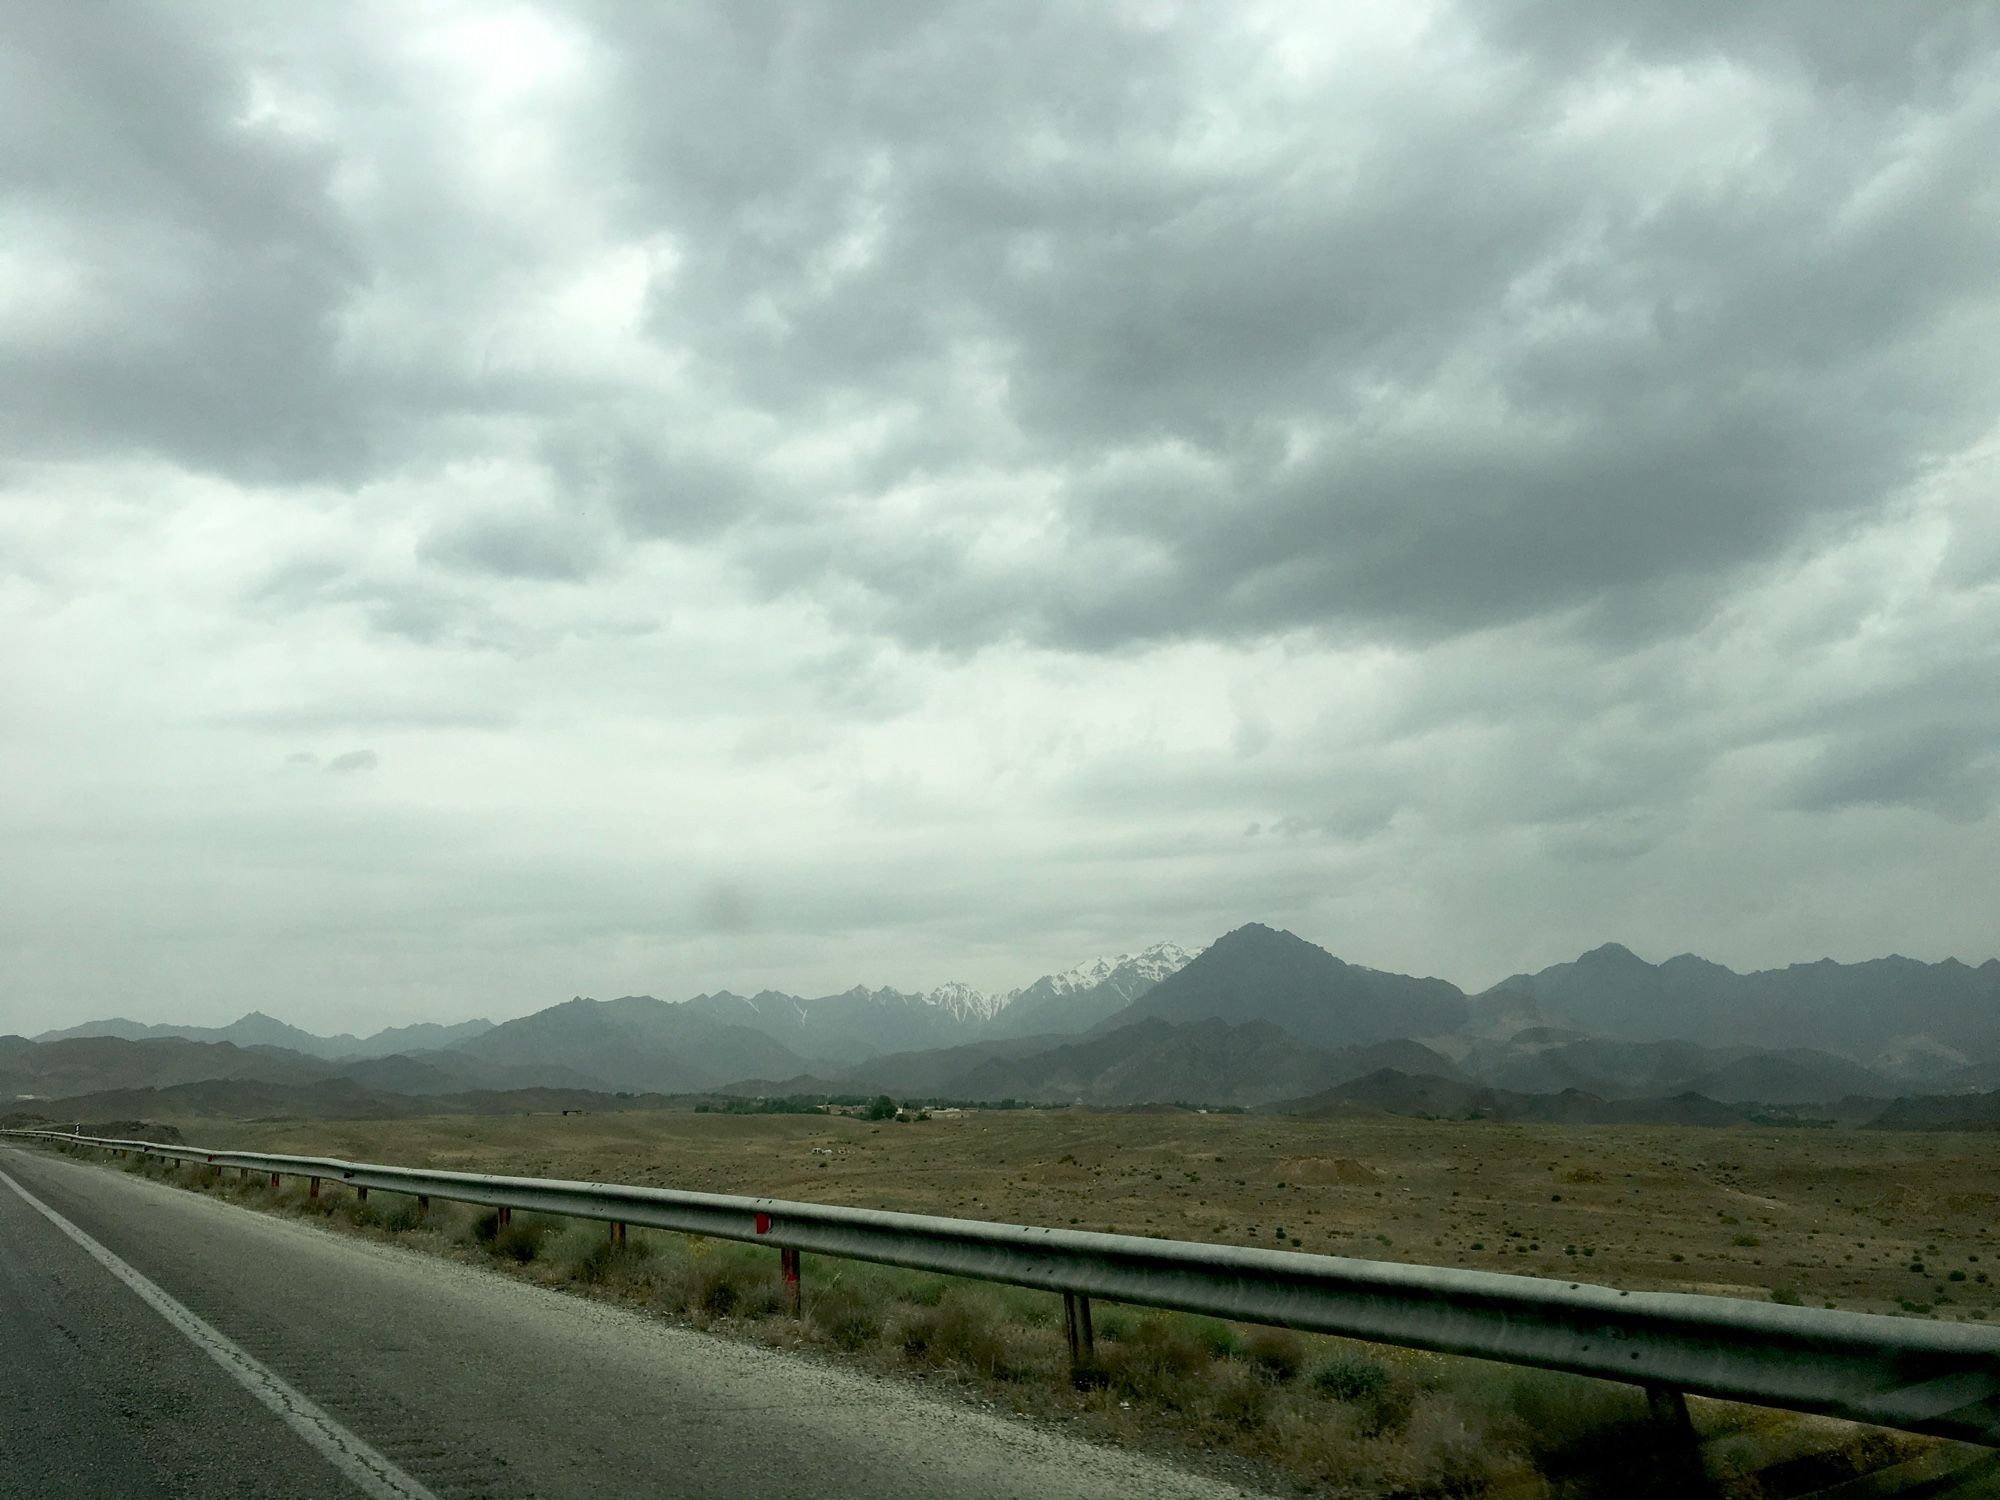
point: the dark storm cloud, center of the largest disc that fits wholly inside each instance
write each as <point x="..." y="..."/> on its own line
<point x="1266" y="361"/>
<point x="1952" y="770"/>
<point x="211" y="260"/>
<point x="1485" y="366"/>
<point x="657" y="484"/>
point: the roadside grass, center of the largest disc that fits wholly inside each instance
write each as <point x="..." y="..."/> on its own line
<point x="1327" y="1415"/>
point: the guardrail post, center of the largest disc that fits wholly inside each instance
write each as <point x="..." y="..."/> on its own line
<point x="1082" y="1338"/>
<point x="788" y="1264"/>
<point x="1680" y="1447"/>
<point x="274" y="1179"/>
<point x="361" y="1194"/>
<point x="312" y="1187"/>
<point x="423" y="1205"/>
<point x="503" y="1216"/>
<point x="617" y="1235"/>
<point x="1669" y="1408"/>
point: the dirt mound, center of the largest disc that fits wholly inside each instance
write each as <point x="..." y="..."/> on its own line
<point x="1325" y="1171"/>
<point x="134" y="1130"/>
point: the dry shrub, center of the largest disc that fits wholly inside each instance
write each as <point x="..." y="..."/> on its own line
<point x="400" y="1216"/>
<point x="958" y="1330"/>
<point x="844" y="1318"/>
<point x="483" y="1226"/>
<point x="1379" y="1397"/>
<point x="1278" y="1354"/>
<point x="1159" y="1359"/>
<point x="1231" y="1396"/>
<point x="1220" y="1339"/>
<point x="325" y="1204"/>
<point x="720" y="1288"/>
<point x="519" y="1241"/>
<point x="1585" y="1436"/>
<point x="583" y="1250"/>
<point x="1447" y="1459"/>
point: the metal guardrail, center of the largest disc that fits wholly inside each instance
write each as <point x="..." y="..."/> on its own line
<point x="1941" y="1379"/>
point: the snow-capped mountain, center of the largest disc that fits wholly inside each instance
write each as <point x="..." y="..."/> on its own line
<point x="867" y="1021"/>
<point x="1149" y="966"/>
<point x="860" y="1022"/>
<point x="963" y="1001"/>
<point x="1078" y="998"/>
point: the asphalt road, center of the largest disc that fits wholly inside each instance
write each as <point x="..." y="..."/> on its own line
<point x="160" y="1343"/>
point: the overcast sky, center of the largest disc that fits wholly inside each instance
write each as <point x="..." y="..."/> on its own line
<point x="500" y="502"/>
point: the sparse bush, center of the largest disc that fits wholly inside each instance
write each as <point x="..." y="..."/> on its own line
<point x="844" y="1318"/>
<point x="1233" y="1396"/>
<point x="519" y="1241"/>
<point x="1276" y="1353"/>
<point x="1214" y="1335"/>
<point x="958" y="1330"/>
<point x="1449" y="1460"/>
<point x="1350" y="1377"/>
<point x="324" y="1204"/>
<point x="1787" y="1296"/>
<point x="715" y="1288"/>
<point x="724" y="1288"/>
<point x="1381" y="1400"/>
<point x="1158" y="1360"/>
<point x="925" y="1291"/>
<point x="401" y="1216"/>
<point x="584" y="1250"/>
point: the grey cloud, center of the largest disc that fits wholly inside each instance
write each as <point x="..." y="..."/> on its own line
<point x="1952" y="770"/>
<point x="350" y="762"/>
<point x="212" y="262"/>
<point x="1480" y="368"/>
<point x="545" y="547"/>
<point x="658" y="485"/>
<point x="412" y="607"/>
<point x="1875" y="52"/>
<point x="1542" y="375"/>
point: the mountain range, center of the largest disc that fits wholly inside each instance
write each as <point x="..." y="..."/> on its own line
<point x="1937" y="1016"/>
<point x="1259" y="1018"/>
<point x="259" y="1030"/>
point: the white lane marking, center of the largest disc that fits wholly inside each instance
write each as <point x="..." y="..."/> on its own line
<point x="372" y="1474"/>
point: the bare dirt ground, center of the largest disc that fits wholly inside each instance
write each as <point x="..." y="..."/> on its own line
<point x="1870" y="1221"/>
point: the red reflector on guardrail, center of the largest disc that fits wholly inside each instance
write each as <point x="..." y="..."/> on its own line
<point x="763" y="1223"/>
